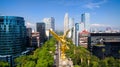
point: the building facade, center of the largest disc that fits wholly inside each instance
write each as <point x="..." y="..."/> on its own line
<point x="12" y="35"/>
<point x="111" y="42"/>
<point x="41" y="29"/>
<point x="7" y="58"/>
<point x="82" y="28"/>
<point x="12" y="38"/>
<point x="71" y="23"/>
<point x="83" y="38"/>
<point x="29" y="32"/>
<point x="66" y="22"/>
<point x="112" y="48"/>
<point x="29" y="35"/>
<point x="77" y="34"/>
<point x="71" y="26"/>
<point x="85" y="18"/>
<point x="49" y="24"/>
<point x="35" y="39"/>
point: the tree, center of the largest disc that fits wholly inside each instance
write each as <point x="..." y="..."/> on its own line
<point x="103" y="52"/>
<point x="42" y="57"/>
<point x="4" y="64"/>
<point x="79" y="55"/>
<point x="103" y="63"/>
<point x="30" y="64"/>
<point x="94" y="64"/>
<point x="111" y="62"/>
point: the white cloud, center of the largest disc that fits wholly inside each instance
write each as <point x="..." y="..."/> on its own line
<point x="68" y="2"/>
<point x="99" y="25"/>
<point x="29" y="24"/>
<point x="92" y="5"/>
<point x="80" y="3"/>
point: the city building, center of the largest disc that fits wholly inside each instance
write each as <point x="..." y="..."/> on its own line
<point x="29" y="32"/>
<point x="112" y="48"/>
<point x="35" y="39"/>
<point x="82" y="28"/>
<point x="71" y="23"/>
<point x="12" y="35"/>
<point x="66" y="22"/>
<point x="49" y="24"/>
<point x="29" y="35"/>
<point x="41" y="29"/>
<point x="99" y="51"/>
<point x="83" y="38"/>
<point x="7" y="58"/>
<point x="71" y="26"/>
<point x="73" y="35"/>
<point x="77" y="25"/>
<point x="111" y="41"/>
<point x="85" y="18"/>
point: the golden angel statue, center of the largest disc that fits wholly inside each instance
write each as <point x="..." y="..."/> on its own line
<point x="62" y="40"/>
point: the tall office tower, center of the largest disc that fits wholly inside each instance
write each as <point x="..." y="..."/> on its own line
<point x="85" y="18"/>
<point x="49" y="24"/>
<point x="71" y="25"/>
<point x="81" y="28"/>
<point x="66" y="22"/>
<point x="77" y="30"/>
<point x="35" y="39"/>
<point x="29" y="35"/>
<point x="12" y="35"/>
<point x="29" y="32"/>
<point x="73" y="36"/>
<point x="41" y="29"/>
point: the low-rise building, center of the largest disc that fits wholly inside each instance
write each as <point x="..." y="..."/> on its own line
<point x="35" y="39"/>
<point x="110" y="40"/>
<point x="83" y="38"/>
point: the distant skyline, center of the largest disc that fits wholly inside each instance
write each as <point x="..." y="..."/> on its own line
<point x="102" y="12"/>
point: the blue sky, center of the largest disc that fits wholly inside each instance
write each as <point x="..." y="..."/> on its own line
<point x="102" y="12"/>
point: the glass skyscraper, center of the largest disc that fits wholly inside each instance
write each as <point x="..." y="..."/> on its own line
<point x="76" y="33"/>
<point x="12" y="35"/>
<point x="41" y="29"/>
<point x="49" y="24"/>
<point x="66" y="22"/>
<point x="85" y="18"/>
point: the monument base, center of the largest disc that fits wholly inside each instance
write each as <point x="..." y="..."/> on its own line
<point x="65" y="63"/>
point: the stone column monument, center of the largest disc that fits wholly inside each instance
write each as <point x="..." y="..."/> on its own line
<point x="63" y="60"/>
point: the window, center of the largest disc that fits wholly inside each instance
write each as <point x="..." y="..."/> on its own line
<point x="10" y="20"/>
<point x="6" y="20"/>
<point x="1" y="20"/>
